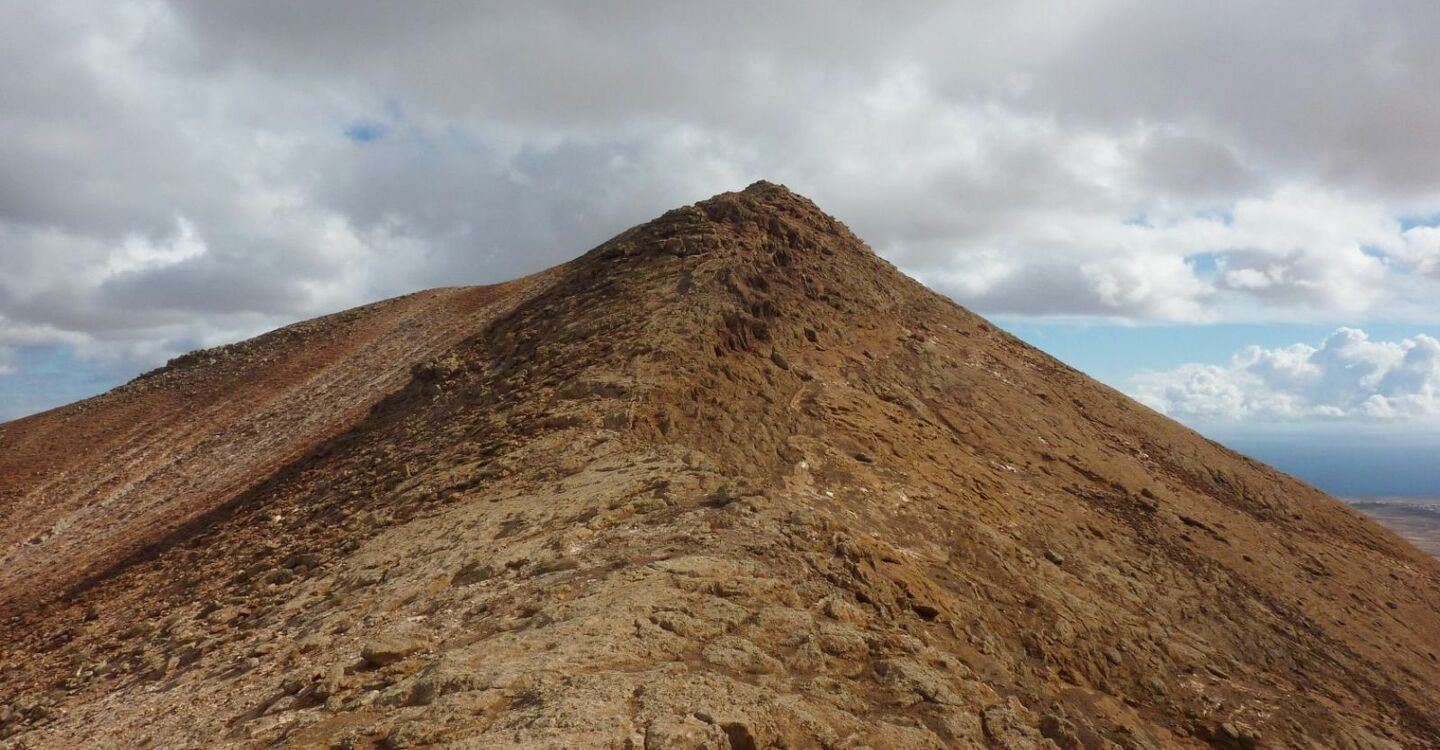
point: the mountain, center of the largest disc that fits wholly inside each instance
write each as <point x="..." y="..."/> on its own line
<point x="728" y="480"/>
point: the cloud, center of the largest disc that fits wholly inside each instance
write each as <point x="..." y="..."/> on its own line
<point x="1348" y="377"/>
<point x="1420" y="249"/>
<point x="181" y="174"/>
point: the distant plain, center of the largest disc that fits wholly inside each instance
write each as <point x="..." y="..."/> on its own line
<point x="1417" y="519"/>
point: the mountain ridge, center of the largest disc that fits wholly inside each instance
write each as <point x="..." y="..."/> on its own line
<point x="731" y="480"/>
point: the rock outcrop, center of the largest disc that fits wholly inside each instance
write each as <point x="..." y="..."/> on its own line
<point x="727" y="481"/>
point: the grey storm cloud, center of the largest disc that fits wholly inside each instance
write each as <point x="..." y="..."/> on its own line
<point x="176" y="174"/>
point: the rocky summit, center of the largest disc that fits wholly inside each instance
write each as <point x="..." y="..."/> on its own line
<point x="727" y="481"/>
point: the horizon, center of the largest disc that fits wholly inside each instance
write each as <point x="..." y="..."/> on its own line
<point x="1396" y="462"/>
<point x="677" y="376"/>
<point x="1247" y="242"/>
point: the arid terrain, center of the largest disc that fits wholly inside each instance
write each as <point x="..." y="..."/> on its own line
<point x="1415" y="519"/>
<point x="727" y="481"/>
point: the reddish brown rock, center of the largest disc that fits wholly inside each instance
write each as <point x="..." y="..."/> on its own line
<point x="611" y="513"/>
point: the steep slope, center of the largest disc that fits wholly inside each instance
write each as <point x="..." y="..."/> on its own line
<point x="85" y="485"/>
<point x="731" y="481"/>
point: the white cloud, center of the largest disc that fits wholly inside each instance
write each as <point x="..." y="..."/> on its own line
<point x="178" y="174"/>
<point x="1420" y="249"/>
<point x="1348" y="377"/>
<point x="137" y="254"/>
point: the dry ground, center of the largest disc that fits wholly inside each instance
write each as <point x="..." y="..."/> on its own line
<point x="727" y="481"/>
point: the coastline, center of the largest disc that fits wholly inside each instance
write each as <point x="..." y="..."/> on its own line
<point x="1415" y="519"/>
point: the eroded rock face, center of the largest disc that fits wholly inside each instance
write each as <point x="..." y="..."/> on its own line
<point x="731" y="481"/>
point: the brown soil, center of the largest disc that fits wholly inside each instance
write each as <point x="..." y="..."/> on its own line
<point x="89" y="484"/>
<point x="727" y="481"/>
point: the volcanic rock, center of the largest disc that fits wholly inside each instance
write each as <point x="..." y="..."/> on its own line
<point x="728" y="480"/>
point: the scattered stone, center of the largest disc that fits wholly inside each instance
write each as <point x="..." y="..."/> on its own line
<point x="782" y="625"/>
<point x="293" y="684"/>
<point x="842" y="641"/>
<point x="818" y="601"/>
<point x="836" y="608"/>
<point x="1012" y="725"/>
<point x="1060" y="731"/>
<point x="278" y="576"/>
<point x="925" y="611"/>
<point x="330" y="682"/>
<point x="283" y="703"/>
<point x="388" y="649"/>
<point x="685" y="733"/>
<point x="908" y="677"/>
<point x="721" y="497"/>
<point x="408" y="734"/>
<point x="556" y="565"/>
<point x="443" y="676"/>
<point x="741" y="655"/>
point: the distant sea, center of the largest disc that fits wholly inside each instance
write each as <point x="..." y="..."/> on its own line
<point x="1366" y="462"/>
<point x="1417" y="519"/>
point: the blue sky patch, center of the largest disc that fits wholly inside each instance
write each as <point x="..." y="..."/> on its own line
<point x="1206" y="265"/>
<point x="366" y="131"/>
<point x="49" y="376"/>
<point x="1113" y="354"/>
<point x="1410" y="222"/>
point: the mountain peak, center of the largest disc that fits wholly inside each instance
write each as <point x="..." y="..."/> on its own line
<point x="728" y="480"/>
<point x="761" y="187"/>
<point x="764" y="217"/>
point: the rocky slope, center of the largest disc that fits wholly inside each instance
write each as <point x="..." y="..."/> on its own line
<point x="84" y="486"/>
<point x="728" y="480"/>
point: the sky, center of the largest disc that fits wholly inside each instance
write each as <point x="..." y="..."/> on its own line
<point x="1228" y="210"/>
